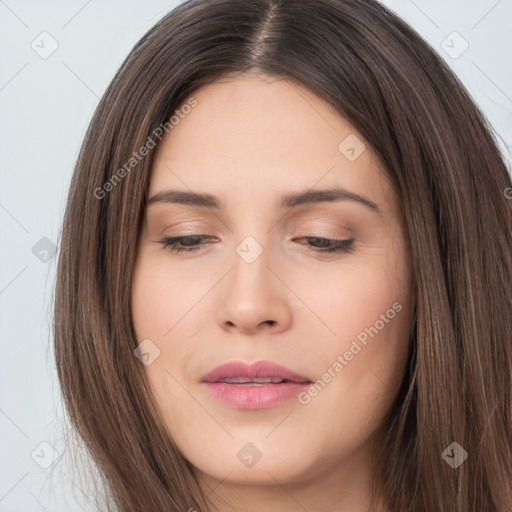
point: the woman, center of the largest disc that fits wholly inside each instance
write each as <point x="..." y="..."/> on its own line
<point x="284" y="278"/>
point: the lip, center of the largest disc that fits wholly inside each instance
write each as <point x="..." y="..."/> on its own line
<point x="259" y="369"/>
<point x="254" y="395"/>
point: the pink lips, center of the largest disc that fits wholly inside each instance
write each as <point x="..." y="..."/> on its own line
<point x="257" y="386"/>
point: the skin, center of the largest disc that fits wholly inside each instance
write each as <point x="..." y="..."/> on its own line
<point x="249" y="140"/>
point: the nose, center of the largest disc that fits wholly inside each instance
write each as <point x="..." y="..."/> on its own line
<point x="253" y="299"/>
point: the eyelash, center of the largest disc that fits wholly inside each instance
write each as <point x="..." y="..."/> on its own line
<point x="342" y="246"/>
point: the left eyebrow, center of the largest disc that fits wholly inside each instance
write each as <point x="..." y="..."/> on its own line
<point x="288" y="201"/>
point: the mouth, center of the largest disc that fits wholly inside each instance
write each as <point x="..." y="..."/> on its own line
<point x="260" y="385"/>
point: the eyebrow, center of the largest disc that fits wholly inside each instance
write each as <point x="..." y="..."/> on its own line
<point x="288" y="201"/>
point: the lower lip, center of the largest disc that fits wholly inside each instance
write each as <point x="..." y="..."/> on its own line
<point x="256" y="396"/>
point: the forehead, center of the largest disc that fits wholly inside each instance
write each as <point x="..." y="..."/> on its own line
<point x="253" y="135"/>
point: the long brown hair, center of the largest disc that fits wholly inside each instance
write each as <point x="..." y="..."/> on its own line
<point x="441" y="156"/>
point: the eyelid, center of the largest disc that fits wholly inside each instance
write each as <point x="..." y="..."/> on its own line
<point x="315" y="222"/>
<point x="339" y="233"/>
<point x="184" y="228"/>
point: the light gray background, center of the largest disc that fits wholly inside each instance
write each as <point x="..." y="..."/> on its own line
<point x="45" y="107"/>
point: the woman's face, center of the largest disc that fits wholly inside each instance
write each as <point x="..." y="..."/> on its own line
<point x="260" y="286"/>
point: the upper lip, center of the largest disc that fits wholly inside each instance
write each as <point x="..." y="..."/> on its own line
<point x="259" y="369"/>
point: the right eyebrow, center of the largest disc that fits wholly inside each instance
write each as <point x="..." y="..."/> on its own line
<point x="184" y="197"/>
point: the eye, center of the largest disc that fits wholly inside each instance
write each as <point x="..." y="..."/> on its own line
<point x="328" y="245"/>
<point x="191" y="243"/>
<point x="183" y="243"/>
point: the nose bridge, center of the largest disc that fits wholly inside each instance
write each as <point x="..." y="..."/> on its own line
<point x="250" y="273"/>
<point x="250" y="249"/>
<point x="253" y="236"/>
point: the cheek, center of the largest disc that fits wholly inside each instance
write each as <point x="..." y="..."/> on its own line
<point x="368" y="306"/>
<point x="361" y="292"/>
<point x="159" y="304"/>
<point x="164" y="306"/>
<point x="161" y="301"/>
<point x="360" y="370"/>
